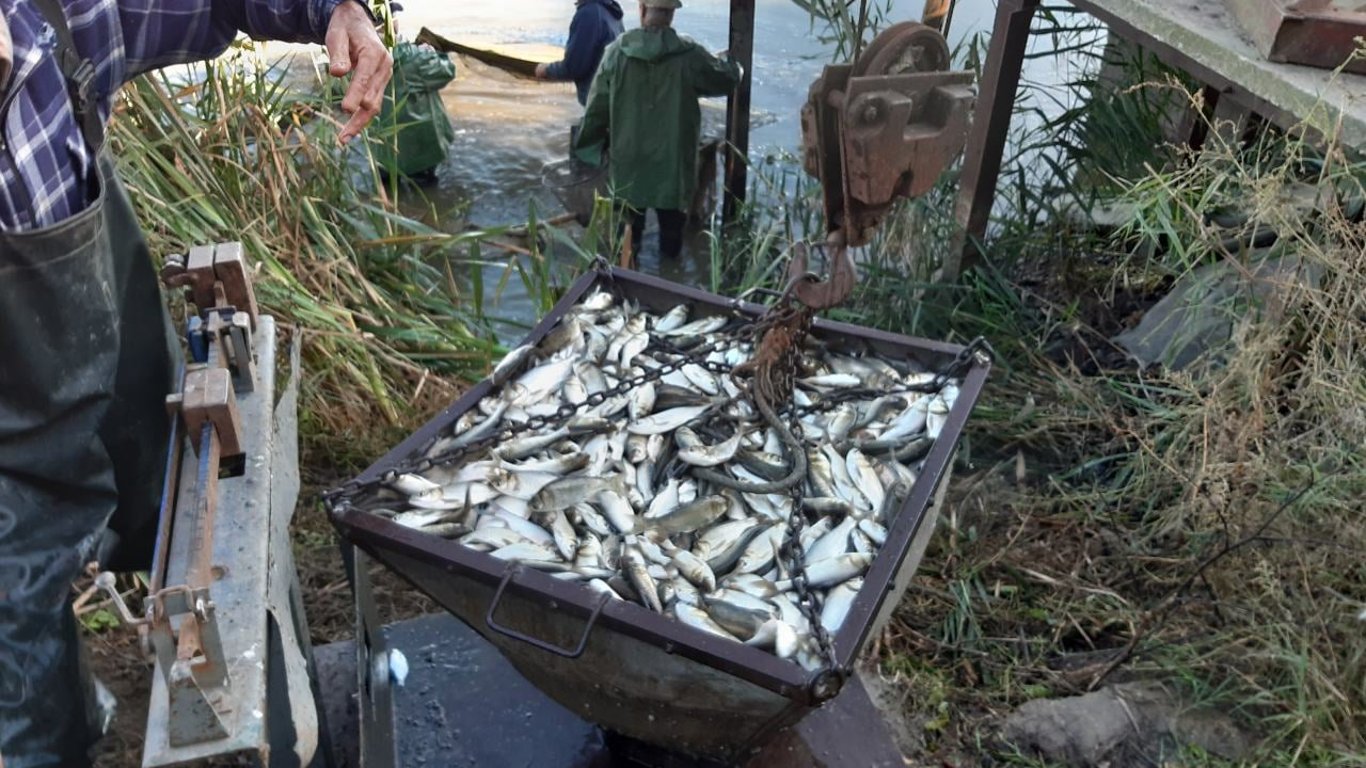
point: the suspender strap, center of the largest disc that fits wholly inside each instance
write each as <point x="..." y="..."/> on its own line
<point x="79" y="73"/>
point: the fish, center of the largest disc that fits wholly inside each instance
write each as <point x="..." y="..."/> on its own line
<point x="562" y="532"/>
<point x="413" y="485"/>
<point x="697" y="328"/>
<point x="512" y="362"/>
<point x="526" y="551"/>
<point x="639" y="576"/>
<point x="699" y="619"/>
<point x="691" y="449"/>
<point x="685" y="518"/>
<point x="567" y="334"/>
<point x="526" y="447"/>
<point x="694" y="569"/>
<point x="823" y="573"/>
<point x="759" y="554"/>
<point x="568" y="491"/>
<point x="837" y="603"/>
<point x="936" y="416"/>
<point x="864" y="477"/>
<point x="641" y="401"/>
<point x="738" y="613"/>
<point x="667" y="421"/>
<point x="672" y="319"/>
<point x="605" y="473"/>
<point x="617" y="510"/>
<point x="778" y="635"/>
<point x="421" y="518"/>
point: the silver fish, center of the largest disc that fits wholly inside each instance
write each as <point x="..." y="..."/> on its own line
<point x="666" y="421"/>
<point x="698" y="619"/>
<point x="490" y="538"/>
<point x="865" y="478"/>
<point x="837" y="603"/>
<point x="698" y="454"/>
<point x="694" y="569"/>
<point x="525" y="552"/>
<point x="421" y="518"/>
<point x="778" y="635"/>
<point x="511" y="363"/>
<point x="823" y="573"/>
<point x="566" y="540"/>
<point x="568" y="334"/>
<point x="936" y="416"/>
<point x="639" y="576"/>
<point x="413" y="485"/>
<point x="686" y="517"/>
<point x="740" y="617"/>
<point x="525" y="447"/>
<point x="641" y="401"/>
<point x="832" y="381"/>
<point x="672" y="319"/>
<point x="697" y="327"/>
<point x="761" y="551"/>
<point x="617" y="511"/>
<point x="568" y="491"/>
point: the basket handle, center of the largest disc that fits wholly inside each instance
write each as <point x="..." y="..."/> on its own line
<point x="577" y="651"/>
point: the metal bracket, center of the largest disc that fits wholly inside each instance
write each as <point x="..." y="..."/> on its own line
<point x="885" y="127"/>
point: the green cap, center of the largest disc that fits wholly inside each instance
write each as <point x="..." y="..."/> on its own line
<point x="661" y="3"/>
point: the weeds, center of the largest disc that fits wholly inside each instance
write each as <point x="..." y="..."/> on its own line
<point x="234" y="155"/>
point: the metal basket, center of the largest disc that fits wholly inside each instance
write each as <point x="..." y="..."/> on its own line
<point x="619" y="664"/>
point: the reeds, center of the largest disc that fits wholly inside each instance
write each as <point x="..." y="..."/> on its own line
<point x="233" y="154"/>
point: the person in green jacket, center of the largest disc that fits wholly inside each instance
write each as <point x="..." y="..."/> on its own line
<point x="415" y="133"/>
<point x="643" y="116"/>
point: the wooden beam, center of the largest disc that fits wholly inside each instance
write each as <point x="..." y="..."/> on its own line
<point x="737" y="110"/>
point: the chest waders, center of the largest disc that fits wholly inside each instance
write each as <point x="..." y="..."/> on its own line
<point x="86" y="362"/>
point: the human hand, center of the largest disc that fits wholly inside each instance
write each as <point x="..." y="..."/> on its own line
<point x="354" y="47"/>
<point x="542" y="71"/>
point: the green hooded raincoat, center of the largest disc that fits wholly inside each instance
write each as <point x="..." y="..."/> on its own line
<point x="642" y="112"/>
<point x="413" y="132"/>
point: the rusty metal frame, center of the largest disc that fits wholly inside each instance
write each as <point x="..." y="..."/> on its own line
<point x="387" y="541"/>
<point x="1295" y="32"/>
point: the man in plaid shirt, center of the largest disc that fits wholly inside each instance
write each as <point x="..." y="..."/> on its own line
<point x="84" y="371"/>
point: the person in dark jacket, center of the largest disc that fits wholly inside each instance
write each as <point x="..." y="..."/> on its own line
<point x="643" y="121"/>
<point x="596" y="23"/>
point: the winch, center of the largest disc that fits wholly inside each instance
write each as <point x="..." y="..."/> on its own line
<point x="874" y="132"/>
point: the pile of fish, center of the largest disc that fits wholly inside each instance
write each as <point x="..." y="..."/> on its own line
<point x="624" y="493"/>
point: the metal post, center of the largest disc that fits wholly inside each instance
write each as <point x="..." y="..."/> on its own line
<point x="737" y="110"/>
<point x="987" y="140"/>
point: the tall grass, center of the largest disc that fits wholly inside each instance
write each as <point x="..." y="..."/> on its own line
<point x="233" y="154"/>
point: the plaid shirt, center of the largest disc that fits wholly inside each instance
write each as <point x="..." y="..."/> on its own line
<point x="45" y="166"/>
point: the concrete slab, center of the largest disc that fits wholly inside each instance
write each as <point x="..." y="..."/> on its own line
<point x="1204" y="39"/>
